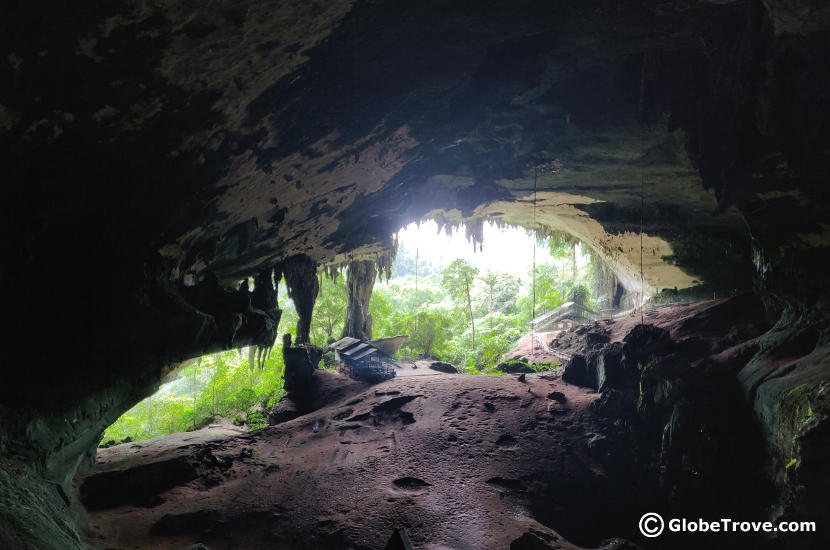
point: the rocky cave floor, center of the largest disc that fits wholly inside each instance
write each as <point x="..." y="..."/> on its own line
<point x="468" y="462"/>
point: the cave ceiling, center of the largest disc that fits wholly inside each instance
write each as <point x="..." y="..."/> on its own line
<point x="228" y="135"/>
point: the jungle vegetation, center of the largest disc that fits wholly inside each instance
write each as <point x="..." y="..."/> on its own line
<point x="455" y="312"/>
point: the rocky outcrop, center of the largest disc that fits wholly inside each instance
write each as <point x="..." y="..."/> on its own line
<point x="673" y="384"/>
<point x="514" y="367"/>
<point x="451" y="447"/>
<point x="389" y="345"/>
<point x="321" y="389"/>
<point x="140" y="485"/>
<point x="300" y="363"/>
<point x="439" y="366"/>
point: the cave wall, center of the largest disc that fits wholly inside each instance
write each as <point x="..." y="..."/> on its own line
<point x="759" y="132"/>
<point x="154" y="154"/>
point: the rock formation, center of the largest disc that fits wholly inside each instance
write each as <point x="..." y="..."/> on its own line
<point x="301" y="278"/>
<point x="360" y="280"/>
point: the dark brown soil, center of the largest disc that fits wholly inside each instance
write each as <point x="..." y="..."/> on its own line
<point x="455" y="459"/>
<point x="459" y="461"/>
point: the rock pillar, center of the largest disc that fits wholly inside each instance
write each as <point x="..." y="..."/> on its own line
<point x="360" y="280"/>
<point x="301" y="278"/>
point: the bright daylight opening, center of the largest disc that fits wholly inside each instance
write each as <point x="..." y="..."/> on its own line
<point x="486" y="309"/>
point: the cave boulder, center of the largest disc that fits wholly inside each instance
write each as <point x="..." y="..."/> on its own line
<point x="607" y="364"/>
<point x="576" y="371"/>
<point x="596" y="337"/>
<point x="439" y="366"/>
<point x="300" y="363"/>
<point x="141" y="484"/>
<point x="514" y="367"/>
<point x="613" y="404"/>
<point x="643" y="342"/>
<point x="283" y="411"/>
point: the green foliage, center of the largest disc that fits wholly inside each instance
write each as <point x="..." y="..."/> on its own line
<point x="329" y="312"/>
<point x="457" y="314"/>
<point x="381" y="311"/>
<point x="458" y="279"/>
<point x="428" y="332"/>
<point x="257" y="421"/>
<point x="240" y="400"/>
<point x="499" y="335"/>
<point x="221" y="384"/>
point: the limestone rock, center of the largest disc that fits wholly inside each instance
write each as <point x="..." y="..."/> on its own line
<point x="283" y="411"/>
<point x="439" y="366"/>
<point x="514" y="367"/>
<point x="576" y="371"/>
<point x="613" y="404"/>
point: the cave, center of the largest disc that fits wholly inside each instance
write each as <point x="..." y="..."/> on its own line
<point x="158" y="155"/>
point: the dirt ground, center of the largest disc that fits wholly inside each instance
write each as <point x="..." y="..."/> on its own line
<point x="461" y="462"/>
<point x="454" y="459"/>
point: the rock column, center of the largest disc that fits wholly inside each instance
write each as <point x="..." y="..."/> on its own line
<point x="300" y="273"/>
<point x="360" y="280"/>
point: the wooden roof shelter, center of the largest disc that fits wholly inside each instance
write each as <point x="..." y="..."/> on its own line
<point x="362" y="360"/>
<point x="565" y="316"/>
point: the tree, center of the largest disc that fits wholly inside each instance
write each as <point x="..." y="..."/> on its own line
<point x="427" y="331"/>
<point x="490" y="280"/>
<point x="457" y="279"/>
<point x="381" y="311"/>
<point x="548" y="295"/>
<point x="501" y="291"/>
<point x="329" y="311"/>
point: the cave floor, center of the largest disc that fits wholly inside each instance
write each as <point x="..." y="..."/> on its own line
<point x="455" y="459"/>
<point x="460" y="461"/>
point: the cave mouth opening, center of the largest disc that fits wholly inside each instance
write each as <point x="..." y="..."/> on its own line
<point x="468" y="293"/>
<point x="463" y="294"/>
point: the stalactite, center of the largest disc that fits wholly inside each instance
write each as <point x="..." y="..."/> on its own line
<point x="474" y="230"/>
<point x="300" y="273"/>
<point x="333" y="271"/>
<point x="385" y="260"/>
<point x="360" y="280"/>
<point x="265" y="298"/>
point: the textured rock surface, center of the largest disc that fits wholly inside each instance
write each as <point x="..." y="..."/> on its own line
<point x="427" y="454"/>
<point x="360" y="280"/>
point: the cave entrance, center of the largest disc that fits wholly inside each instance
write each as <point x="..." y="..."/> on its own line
<point x="466" y="295"/>
<point x="228" y="392"/>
